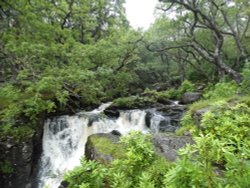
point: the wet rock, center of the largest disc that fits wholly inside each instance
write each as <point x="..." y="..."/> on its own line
<point x="165" y="126"/>
<point x="168" y="145"/>
<point x="93" y="119"/>
<point x="112" y="113"/>
<point x="174" y="112"/>
<point x="190" y="97"/>
<point x="116" y="132"/>
<point x="64" y="184"/>
<point x="148" y="117"/>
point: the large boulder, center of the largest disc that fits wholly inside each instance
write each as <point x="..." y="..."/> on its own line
<point x="168" y="145"/>
<point x="190" y="97"/>
<point x="104" y="147"/>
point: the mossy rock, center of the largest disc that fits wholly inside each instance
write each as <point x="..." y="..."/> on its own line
<point x="104" y="148"/>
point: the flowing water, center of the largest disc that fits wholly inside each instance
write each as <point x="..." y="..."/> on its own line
<point x="65" y="138"/>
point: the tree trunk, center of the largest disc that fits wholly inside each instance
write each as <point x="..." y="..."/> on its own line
<point x="234" y="74"/>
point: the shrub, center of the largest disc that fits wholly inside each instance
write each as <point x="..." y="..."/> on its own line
<point x="221" y="90"/>
<point x="220" y="156"/>
<point x="245" y="85"/>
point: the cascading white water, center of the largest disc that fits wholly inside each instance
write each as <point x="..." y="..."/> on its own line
<point x="65" y="138"/>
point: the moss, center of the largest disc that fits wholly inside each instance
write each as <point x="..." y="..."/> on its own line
<point x="6" y="167"/>
<point x="108" y="146"/>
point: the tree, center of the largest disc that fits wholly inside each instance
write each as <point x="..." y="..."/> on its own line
<point x="62" y="55"/>
<point x="211" y="17"/>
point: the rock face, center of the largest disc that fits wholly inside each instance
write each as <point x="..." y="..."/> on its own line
<point x="174" y="112"/>
<point x="190" y="97"/>
<point x="22" y="158"/>
<point x="168" y="145"/>
<point x="103" y="147"/>
<point x="19" y="157"/>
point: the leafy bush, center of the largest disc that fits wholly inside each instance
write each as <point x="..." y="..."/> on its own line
<point x="18" y="133"/>
<point x="220" y="156"/>
<point x="89" y="174"/>
<point x="186" y="86"/>
<point x="245" y="85"/>
<point x="221" y="90"/>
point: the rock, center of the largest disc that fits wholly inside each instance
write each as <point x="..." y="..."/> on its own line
<point x="17" y="158"/>
<point x="197" y="116"/>
<point x="148" y="118"/>
<point x="164" y="101"/>
<point x="116" y="132"/>
<point x="157" y="121"/>
<point x="103" y="147"/>
<point x="190" y="97"/>
<point x="22" y="157"/>
<point x="112" y="113"/>
<point x="93" y="119"/>
<point x="64" y="184"/>
<point x="165" y="126"/>
<point x="168" y="145"/>
<point x="174" y="112"/>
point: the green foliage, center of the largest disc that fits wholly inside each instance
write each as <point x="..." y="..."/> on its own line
<point x="18" y="133"/>
<point x="133" y="102"/>
<point x="164" y="96"/>
<point x="221" y="90"/>
<point x="6" y="167"/>
<point x="89" y="174"/>
<point x="186" y="86"/>
<point x="140" y="151"/>
<point x="194" y="170"/>
<point x="221" y="153"/>
<point x="70" y="55"/>
<point x="245" y="85"/>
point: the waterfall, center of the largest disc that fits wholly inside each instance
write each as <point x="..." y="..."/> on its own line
<point x="65" y="138"/>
